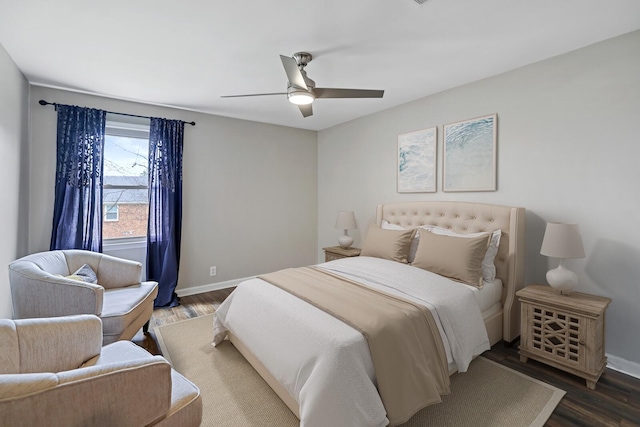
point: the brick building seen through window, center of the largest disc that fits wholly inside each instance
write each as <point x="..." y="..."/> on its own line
<point x="125" y="210"/>
<point x="125" y="194"/>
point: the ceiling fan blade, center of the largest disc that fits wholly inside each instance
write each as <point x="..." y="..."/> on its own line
<point x="293" y="72"/>
<point x="306" y="110"/>
<point x="323" y="92"/>
<point x="253" y="94"/>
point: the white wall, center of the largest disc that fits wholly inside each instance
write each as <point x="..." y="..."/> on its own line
<point x="249" y="190"/>
<point x="14" y="94"/>
<point x="568" y="150"/>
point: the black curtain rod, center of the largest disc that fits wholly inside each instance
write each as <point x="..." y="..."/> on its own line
<point x="43" y="102"/>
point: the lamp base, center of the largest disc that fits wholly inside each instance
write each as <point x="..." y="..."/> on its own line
<point x="562" y="279"/>
<point x="345" y="241"/>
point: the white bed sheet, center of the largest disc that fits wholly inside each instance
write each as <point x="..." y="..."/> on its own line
<point x="324" y="363"/>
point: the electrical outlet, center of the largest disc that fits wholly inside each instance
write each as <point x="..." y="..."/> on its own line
<point x="212" y="270"/>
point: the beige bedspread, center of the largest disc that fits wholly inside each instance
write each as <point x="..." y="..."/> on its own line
<point x="406" y="349"/>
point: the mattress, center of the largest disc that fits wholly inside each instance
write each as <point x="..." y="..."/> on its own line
<point x="488" y="296"/>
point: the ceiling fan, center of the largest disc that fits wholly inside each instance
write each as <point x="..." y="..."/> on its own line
<point x="302" y="91"/>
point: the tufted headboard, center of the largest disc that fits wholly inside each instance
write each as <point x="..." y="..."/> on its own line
<point x="465" y="217"/>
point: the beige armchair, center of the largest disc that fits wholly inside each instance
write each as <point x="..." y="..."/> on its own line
<point x="55" y="372"/>
<point x="39" y="288"/>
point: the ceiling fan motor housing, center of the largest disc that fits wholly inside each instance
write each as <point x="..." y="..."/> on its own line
<point x="302" y="58"/>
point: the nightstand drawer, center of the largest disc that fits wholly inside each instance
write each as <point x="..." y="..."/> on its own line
<point x="328" y="256"/>
<point x="336" y="252"/>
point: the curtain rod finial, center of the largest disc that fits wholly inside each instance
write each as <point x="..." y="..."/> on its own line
<point x="42" y="102"/>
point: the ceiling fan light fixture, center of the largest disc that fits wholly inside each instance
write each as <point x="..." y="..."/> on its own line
<point x="300" y="97"/>
<point x="302" y="91"/>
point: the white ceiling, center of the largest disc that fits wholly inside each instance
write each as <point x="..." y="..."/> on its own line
<point x="186" y="54"/>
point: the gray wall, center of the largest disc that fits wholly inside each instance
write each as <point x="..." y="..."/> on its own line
<point x="250" y="189"/>
<point x="568" y="150"/>
<point x="14" y="171"/>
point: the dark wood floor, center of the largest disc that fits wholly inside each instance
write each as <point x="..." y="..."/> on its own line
<point x="614" y="402"/>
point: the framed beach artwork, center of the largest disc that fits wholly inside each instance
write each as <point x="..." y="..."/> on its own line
<point x="469" y="151"/>
<point x="417" y="161"/>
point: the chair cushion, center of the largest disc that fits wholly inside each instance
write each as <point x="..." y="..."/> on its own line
<point x="117" y="352"/>
<point x="121" y="306"/>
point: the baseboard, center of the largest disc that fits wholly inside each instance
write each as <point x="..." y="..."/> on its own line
<point x="625" y="366"/>
<point x="210" y="287"/>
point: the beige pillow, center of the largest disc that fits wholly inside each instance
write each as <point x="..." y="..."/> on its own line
<point x="459" y="258"/>
<point x="388" y="244"/>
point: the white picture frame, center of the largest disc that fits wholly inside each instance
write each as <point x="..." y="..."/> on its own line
<point x="416" y="161"/>
<point x="470" y="155"/>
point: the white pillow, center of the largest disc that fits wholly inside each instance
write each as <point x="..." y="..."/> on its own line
<point x="488" y="266"/>
<point x="386" y="225"/>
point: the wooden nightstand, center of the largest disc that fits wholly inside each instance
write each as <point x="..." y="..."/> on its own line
<point x="564" y="331"/>
<point x="337" y="252"/>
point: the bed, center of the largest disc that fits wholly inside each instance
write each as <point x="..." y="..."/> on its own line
<point x="294" y="362"/>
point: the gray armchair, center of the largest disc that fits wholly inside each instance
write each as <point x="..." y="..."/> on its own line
<point x="55" y="372"/>
<point x="40" y="288"/>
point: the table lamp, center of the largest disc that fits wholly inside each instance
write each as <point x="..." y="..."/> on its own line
<point x="346" y="221"/>
<point x="563" y="241"/>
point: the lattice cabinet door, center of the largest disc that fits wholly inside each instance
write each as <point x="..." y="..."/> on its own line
<point x="557" y="334"/>
<point x="564" y="331"/>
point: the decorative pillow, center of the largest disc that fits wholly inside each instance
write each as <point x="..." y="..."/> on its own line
<point x="488" y="265"/>
<point x="386" y="225"/>
<point x="459" y="258"/>
<point x="388" y="244"/>
<point x="84" y="274"/>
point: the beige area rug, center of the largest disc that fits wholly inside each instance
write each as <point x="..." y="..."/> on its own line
<point x="233" y="393"/>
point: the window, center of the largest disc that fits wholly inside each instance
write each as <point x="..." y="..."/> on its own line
<point x="125" y="191"/>
<point x="110" y="212"/>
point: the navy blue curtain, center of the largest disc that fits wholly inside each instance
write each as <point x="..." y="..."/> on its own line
<point x="165" y="207"/>
<point x="77" y="211"/>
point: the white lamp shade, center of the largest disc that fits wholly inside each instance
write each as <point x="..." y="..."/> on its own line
<point x="346" y="220"/>
<point x="562" y="240"/>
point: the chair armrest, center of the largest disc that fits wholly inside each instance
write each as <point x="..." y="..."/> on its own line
<point x="36" y="293"/>
<point x="117" y="272"/>
<point x="126" y="396"/>
<point x="16" y="385"/>
<point x="58" y="343"/>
